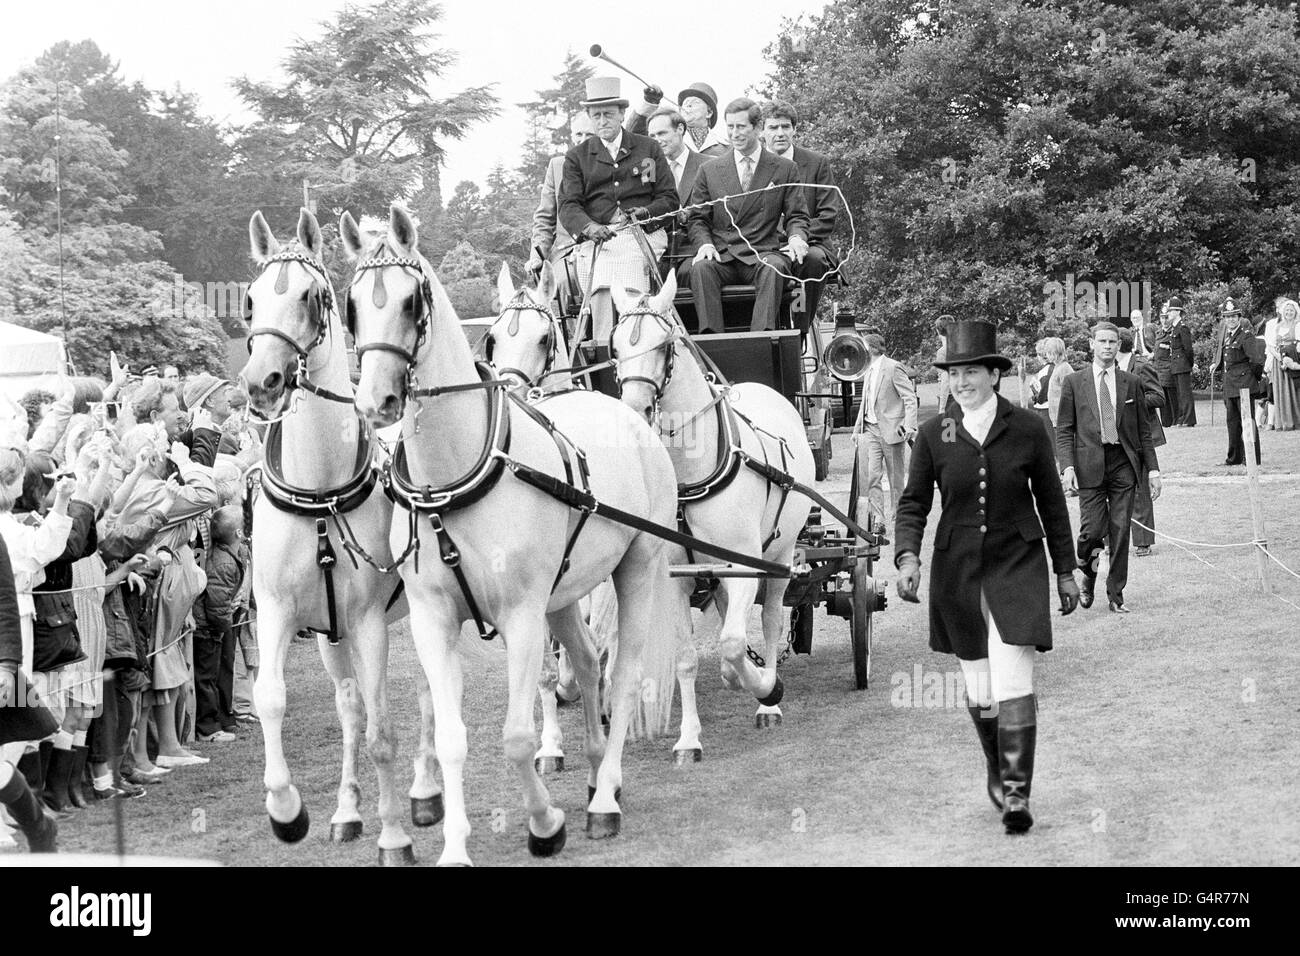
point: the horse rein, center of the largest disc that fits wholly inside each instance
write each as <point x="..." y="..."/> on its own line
<point x="325" y="306"/>
<point x="669" y="345"/>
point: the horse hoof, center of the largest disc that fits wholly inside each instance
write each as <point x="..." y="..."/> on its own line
<point x="549" y="764"/>
<point x="426" y="811"/>
<point x="345" y="832"/>
<point x="398" y="856"/>
<point x="547" y="846"/>
<point x="767" y="718"/>
<point x="591" y="795"/>
<point x="774" y="698"/>
<point x="684" y="758"/>
<point x="295" y="829"/>
<point x="602" y="826"/>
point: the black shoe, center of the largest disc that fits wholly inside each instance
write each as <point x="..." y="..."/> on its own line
<point x="1086" y="590"/>
<point x="128" y="789"/>
<point x="1117" y="606"/>
<point x="76" y="791"/>
<point x="1017" y="734"/>
<point x="987" y="729"/>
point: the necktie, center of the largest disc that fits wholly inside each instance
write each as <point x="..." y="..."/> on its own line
<point x="748" y="175"/>
<point x="1108" y="436"/>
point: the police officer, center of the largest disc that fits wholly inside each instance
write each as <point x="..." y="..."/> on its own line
<point x="1182" y="361"/>
<point x="1239" y="355"/>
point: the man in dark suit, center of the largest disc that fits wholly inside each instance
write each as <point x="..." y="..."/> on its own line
<point x="1239" y="355"/>
<point x="779" y="124"/>
<point x="739" y="241"/>
<point x="1103" y="436"/>
<point x="1181" y="363"/>
<point x="1157" y="342"/>
<point x="1144" y="513"/>
<point x="614" y="178"/>
<point x="668" y="129"/>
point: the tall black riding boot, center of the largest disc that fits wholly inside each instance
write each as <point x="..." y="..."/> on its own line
<point x="987" y="729"/>
<point x="33" y="771"/>
<point x="37" y="825"/>
<point x="76" y="781"/>
<point x="1017" y="733"/>
<point x="57" y="777"/>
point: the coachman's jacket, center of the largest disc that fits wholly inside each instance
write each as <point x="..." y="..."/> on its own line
<point x="596" y="186"/>
<point x="989" y="538"/>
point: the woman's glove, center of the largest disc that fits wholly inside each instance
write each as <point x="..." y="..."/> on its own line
<point x="1068" y="590"/>
<point x="909" y="578"/>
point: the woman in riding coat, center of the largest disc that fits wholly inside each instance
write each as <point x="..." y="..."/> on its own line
<point x="996" y="470"/>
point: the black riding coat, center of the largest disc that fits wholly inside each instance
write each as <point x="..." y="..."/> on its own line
<point x="989" y="537"/>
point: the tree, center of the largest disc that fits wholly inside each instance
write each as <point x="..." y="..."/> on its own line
<point x="990" y="149"/>
<point x="550" y="117"/>
<point x="356" y="116"/>
<point x="469" y="284"/>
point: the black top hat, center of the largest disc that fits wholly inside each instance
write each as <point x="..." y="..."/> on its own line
<point x="973" y="342"/>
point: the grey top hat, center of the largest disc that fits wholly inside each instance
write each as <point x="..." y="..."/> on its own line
<point x="604" y="91"/>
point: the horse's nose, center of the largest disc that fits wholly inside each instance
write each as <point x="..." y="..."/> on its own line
<point x="648" y="413"/>
<point x="273" y="381"/>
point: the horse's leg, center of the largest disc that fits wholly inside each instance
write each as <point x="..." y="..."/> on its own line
<point x="732" y="639"/>
<point x="370" y="657"/>
<point x="550" y="755"/>
<point x="769" y="710"/>
<point x="566" y="687"/>
<point x="289" y="819"/>
<point x="435" y="629"/>
<point x="688" y="750"/>
<point x="570" y="628"/>
<point x="525" y="638"/>
<point x="346" y="824"/>
<point x="426" y="792"/>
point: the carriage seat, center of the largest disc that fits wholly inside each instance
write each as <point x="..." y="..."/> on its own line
<point x="737" y="302"/>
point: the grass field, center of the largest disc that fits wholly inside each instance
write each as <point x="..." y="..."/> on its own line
<point x="1166" y="737"/>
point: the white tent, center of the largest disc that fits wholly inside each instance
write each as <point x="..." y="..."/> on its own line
<point x="29" y="359"/>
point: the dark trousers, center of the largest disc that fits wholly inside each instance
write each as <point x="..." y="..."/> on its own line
<point x="214" y="681"/>
<point x="1144" y="510"/>
<point x="1236" y="447"/>
<point x="1168" y="409"/>
<point x="814" y="265"/>
<point x="1105" y="512"/>
<point x="708" y="276"/>
<point x="110" y="731"/>
<point x="1186" y="414"/>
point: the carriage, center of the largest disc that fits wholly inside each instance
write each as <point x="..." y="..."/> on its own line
<point x="834" y="559"/>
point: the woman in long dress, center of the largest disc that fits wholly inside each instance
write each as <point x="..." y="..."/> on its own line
<point x="1281" y="361"/>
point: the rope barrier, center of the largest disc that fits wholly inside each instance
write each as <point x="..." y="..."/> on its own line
<point x="1196" y="544"/>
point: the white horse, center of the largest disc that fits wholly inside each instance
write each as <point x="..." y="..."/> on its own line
<point x="324" y="452"/>
<point x="495" y="545"/>
<point x="725" y="502"/>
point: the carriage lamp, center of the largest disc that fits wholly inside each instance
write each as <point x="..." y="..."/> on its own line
<point x="846" y="356"/>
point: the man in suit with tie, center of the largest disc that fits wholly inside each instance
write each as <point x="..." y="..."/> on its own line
<point x="668" y="129"/>
<point x="739" y="241"/>
<point x="887" y="420"/>
<point x="779" y="124"/>
<point x="1103" y="436"/>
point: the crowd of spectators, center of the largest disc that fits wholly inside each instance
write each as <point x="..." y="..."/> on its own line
<point x="126" y="634"/>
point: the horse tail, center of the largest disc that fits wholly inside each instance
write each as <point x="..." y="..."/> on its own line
<point x="669" y="625"/>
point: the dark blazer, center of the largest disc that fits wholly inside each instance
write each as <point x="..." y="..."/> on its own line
<point x="595" y="186"/>
<point x="1078" y="427"/>
<point x="1157" y="343"/>
<point x="54" y="632"/>
<point x="823" y="204"/>
<point x="1240" y="357"/>
<point x="1181" y="358"/>
<point x="989" y="538"/>
<point x="758" y="216"/>
<point x="1154" y="393"/>
<point x="679" y="239"/>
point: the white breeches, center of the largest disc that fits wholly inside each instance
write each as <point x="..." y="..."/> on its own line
<point x="1007" y="673"/>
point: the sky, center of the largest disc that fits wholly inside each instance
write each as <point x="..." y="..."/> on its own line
<point x="519" y="46"/>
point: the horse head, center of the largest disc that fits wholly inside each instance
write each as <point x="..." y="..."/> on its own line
<point x="525" y="341"/>
<point x="387" y="311"/>
<point x="289" y="308"/>
<point x="643" y="345"/>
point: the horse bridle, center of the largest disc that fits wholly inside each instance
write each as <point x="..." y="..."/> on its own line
<point x="324" y="303"/>
<point x="522" y="302"/>
<point x="423" y="305"/>
<point x="669" y="344"/>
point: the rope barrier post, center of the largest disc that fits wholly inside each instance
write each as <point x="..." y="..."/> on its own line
<point x="1249" y="438"/>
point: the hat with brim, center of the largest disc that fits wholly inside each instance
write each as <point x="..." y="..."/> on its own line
<point x="199" y="390"/>
<point x="973" y="342"/>
<point x="604" y="91"/>
<point x="704" y="92"/>
<point x="1230" y="308"/>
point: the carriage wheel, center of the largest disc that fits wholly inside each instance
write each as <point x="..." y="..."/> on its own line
<point x="864" y="604"/>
